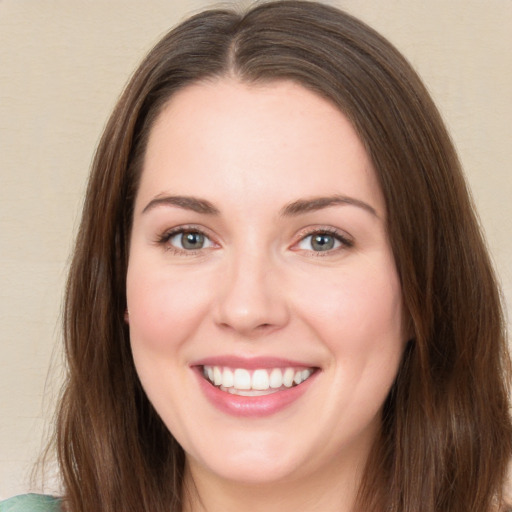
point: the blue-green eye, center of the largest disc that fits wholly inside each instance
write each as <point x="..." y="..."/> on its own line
<point x="189" y="240"/>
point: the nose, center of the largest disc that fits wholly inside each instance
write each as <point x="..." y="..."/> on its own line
<point x="251" y="302"/>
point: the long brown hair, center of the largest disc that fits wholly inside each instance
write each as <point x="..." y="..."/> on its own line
<point x="446" y="432"/>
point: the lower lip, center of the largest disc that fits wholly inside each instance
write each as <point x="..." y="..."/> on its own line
<point x="252" y="406"/>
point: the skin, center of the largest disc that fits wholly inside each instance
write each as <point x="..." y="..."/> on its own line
<point x="258" y="287"/>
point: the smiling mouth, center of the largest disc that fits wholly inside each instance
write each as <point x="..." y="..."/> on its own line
<point x="265" y="381"/>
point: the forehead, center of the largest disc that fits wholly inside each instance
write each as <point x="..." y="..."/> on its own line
<point x="277" y="138"/>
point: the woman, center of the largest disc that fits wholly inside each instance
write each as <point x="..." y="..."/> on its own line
<point x="280" y="298"/>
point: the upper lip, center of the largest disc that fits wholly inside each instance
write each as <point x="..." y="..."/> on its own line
<point x="250" y="363"/>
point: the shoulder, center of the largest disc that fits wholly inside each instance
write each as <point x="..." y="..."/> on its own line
<point x="31" y="503"/>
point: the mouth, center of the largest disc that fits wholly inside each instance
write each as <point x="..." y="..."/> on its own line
<point x="255" y="382"/>
<point x="254" y="387"/>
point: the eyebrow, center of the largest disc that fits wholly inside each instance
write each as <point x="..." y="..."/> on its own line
<point x="293" y="209"/>
<point x="185" y="202"/>
<point x="318" y="203"/>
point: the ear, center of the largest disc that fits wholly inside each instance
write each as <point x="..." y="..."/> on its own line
<point x="126" y="316"/>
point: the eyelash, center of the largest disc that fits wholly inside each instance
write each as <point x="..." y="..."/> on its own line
<point x="164" y="238"/>
<point x="345" y="242"/>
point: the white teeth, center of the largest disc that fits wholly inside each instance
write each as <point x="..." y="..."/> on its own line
<point x="305" y="374"/>
<point x="288" y="377"/>
<point x="302" y="376"/>
<point x="217" y="376"/>
<point x="276" y="378"/>
<point x="260" y="380"/>
<point x="257" y="382"/>
<point x="242" y="379"/>
<point x="227" y="378"/>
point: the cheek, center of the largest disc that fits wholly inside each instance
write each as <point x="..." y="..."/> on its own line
<point x="164" y="307"/>
<point x="357" y="311"/>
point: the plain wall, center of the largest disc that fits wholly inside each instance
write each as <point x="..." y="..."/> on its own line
<point x="63" y="63"/>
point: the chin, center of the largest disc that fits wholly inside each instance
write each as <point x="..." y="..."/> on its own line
<point x="253" y="470"/>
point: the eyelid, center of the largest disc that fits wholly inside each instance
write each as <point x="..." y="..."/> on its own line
<point x="341" y="236"/>
<point x="164" y="237"/>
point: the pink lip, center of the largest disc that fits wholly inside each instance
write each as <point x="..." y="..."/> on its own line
<point x="252" y="363"/>
<point x="250" y="406"/>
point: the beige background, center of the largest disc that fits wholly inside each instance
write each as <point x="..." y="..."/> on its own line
<point x="62" y="65"/>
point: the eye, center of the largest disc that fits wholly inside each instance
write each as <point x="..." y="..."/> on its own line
<point x="186" y="240"/>
<point x="323" y="241"/>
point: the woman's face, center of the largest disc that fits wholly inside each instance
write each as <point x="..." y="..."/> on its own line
<point x="265" y="310"/>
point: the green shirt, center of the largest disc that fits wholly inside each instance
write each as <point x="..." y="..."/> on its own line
<point x="30" y="503"/>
